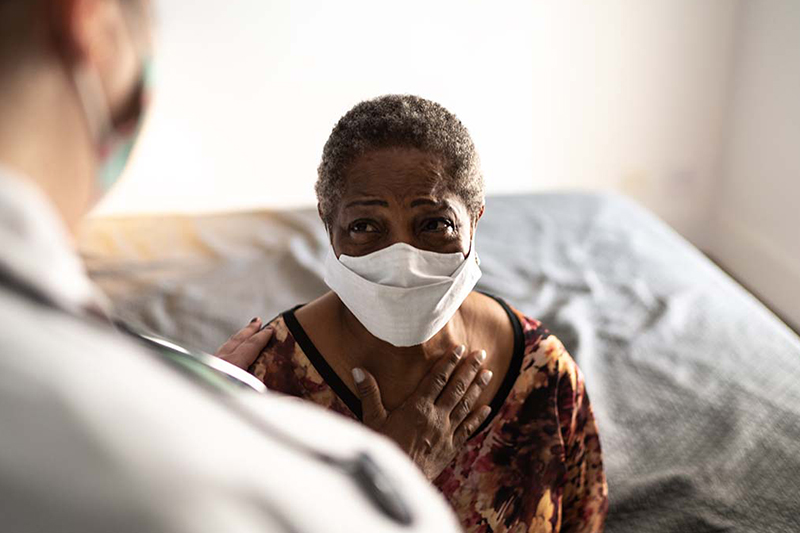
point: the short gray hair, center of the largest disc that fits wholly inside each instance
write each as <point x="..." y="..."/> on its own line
<point x="400" y="121"/>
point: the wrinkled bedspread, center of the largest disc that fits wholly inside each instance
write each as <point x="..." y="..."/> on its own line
<point x="696" y="385"/>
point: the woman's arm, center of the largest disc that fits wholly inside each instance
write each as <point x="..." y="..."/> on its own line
<point x="585" y="503"/>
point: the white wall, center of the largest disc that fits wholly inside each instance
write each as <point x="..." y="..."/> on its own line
<point x="755" y="226"/>
<point x="250" y="89"/>
<point x="629" y="95"/>
<point x="615" y="94"/>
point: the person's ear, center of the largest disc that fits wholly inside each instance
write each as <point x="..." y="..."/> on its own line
<point x="325" y="223"/>
<point x="77" y="27"/>
<point x="475" y="221"/>
<point x="323" y="219"/>
<point x="97" y="35"/>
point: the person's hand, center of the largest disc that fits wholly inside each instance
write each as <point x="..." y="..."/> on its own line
<point x="244" y="347"/>
<point x="434" y="423"/>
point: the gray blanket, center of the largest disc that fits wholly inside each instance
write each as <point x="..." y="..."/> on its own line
<point x="696" y="386"/>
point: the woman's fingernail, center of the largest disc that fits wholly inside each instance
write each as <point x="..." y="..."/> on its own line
<point x="254" y="320"/>
<point x="482" y="356"/>
<point x="460" y="351"/>
<point x="358" y="375"/>
<point x="486" y="377"/>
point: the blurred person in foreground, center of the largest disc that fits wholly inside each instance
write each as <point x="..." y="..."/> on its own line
<point x="100" y="431"/>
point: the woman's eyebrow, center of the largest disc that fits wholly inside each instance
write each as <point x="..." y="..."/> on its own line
<point x="428" y="201"/>
<point x="354" y="203"/>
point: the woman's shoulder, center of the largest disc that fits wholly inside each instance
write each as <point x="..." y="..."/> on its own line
<point x="546" y="361"/>
<point x="290" y="364"/>
<point x="281" y="334"/>
<point x="549" y="386"/>
<point x="282" y="365"/>
<point x="537" y="346"/>
<point x="281" y="346"/>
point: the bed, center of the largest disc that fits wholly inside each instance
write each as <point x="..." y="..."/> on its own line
<point x="695" y="384"/>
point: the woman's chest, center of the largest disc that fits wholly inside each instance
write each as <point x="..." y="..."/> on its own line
<point x="509" y="478"/>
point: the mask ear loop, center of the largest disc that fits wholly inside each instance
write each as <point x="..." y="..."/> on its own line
<point x="472" y="229"/>
<point x="90" y="92"/>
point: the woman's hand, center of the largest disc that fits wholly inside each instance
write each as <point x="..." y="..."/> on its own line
<point x="244" y="347"/>
<point x="434" y="423"/>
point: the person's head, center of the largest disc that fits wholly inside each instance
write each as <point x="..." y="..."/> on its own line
<point x="71" y="74"/>
<point x="400" y="168"/>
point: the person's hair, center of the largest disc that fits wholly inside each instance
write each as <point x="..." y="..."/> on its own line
<point x="16" y="24"/>
<point x="400" y="121"/>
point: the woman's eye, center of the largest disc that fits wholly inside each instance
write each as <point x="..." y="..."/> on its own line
<point x="363" y="226"/>
<point x="438" y="224"/>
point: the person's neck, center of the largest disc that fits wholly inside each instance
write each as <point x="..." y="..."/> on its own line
<point x="43" y="137"/>
<point x="400" y="369"/>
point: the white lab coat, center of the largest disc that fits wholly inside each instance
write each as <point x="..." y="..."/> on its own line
<point x="98" y="435"/>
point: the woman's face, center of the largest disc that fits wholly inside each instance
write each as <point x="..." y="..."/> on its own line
<point x="398" y="195"/>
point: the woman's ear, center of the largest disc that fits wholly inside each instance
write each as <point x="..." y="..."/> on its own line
<point x="325" y="223"/>
<point x="323" y="219"/>
<point x="476" y="220"/>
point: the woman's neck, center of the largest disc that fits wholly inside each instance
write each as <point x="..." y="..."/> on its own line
<point x="480" y="323"/>
<point x="398" y="369"/>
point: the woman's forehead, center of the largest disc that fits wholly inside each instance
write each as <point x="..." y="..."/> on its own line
<point x="395" y="172"/>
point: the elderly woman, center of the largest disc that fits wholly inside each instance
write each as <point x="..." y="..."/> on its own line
<point x="506" y="433"/>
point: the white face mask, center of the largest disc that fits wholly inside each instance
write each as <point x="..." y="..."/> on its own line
<point x="401" y="294"/>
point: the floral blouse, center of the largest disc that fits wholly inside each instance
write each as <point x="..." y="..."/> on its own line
<point x="534" y="466"/>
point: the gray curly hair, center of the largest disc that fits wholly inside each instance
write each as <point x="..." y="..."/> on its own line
<point x="400" y="121"/>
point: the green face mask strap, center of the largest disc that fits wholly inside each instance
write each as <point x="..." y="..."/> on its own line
<point x="114" y="165"/>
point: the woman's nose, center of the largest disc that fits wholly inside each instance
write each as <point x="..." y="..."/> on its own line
<point x="403" y="235"/>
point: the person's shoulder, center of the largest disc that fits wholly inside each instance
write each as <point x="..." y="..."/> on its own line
<point x="544" y="356"/>
<point x="280" y="349"/>
<point x="280" y="327"/>
<point x="287" y="363"/>
<point x="490" y="313"/>
<point x="313" y="427"/>
<point x="544" y="353"/>
<point x="32" y="334"/>
<point x="71" y="391"/>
